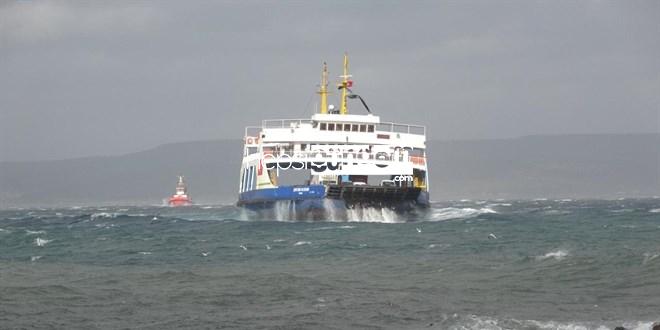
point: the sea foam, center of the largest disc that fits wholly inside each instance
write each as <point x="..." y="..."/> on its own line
<point x="372" y="214"/>
<point x="41" y="242"/>
<point x="557" y="255"/>
<point x="35" y="232"/>
<point x="450" y="213"/>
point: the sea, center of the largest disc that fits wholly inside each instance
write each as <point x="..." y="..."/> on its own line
<point x="469" y="264"/>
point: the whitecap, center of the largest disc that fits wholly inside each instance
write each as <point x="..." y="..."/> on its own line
<point x="557" y="255"/>
<point x="105" y="225"/>
<point x="98" y="215"/>
<point x="485" y="322"/>
<point x="498" y="204"/>
<point x="41" y="242"/>
<point x="556" y="212"/>
<point x="654" y="210"/>
<point x="144" y="253"/>
<point x="621" y="211"/>
<point x="35" y="258"/>
<point x="458" y="213"/>
<point x="299" y="243"/>
<point x="35" y="232"/>
<point x="648" y="257"/>
<point x="372" y="214"/>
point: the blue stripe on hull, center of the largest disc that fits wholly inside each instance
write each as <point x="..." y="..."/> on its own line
<point x="291" y="193"/>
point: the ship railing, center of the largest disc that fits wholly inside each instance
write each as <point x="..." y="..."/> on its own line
<point x="382" y="127"/>
<point x="286" y="156"/>
<point x="284" y="123"/>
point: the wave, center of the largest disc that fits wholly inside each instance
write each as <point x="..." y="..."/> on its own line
<point x="372" y="214"/>
<point x="100" y="215"/>
<point x="484" y="322"/>
<point x="498" y="204"/>
<point x="557" y="212"/>
<point x="451" y="213"/>
<point x="621" y="211"/>
<point x="648" y="257"/>
<point x="41" y="242"/>
<point x="557" y="255"/>
<point x="35" y="232"/>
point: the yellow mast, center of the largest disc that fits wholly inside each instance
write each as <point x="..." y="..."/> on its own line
<point x="344" y="85"/>
<point x="323" y="90"/>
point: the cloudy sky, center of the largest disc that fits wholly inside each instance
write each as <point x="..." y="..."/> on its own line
<point x="81" y="78"/>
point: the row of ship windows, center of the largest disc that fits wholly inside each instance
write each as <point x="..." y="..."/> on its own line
<point x="346" y="127"/>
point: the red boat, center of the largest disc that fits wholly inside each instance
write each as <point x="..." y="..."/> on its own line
<point x="181" y="197"/>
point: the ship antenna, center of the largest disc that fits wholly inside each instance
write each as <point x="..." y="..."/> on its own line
<point x="345" y="84"/>
<point x="323" y="89"/>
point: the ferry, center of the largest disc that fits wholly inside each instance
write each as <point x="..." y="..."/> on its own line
<point x="334" y="162"/>
<point x="180" y="198"/>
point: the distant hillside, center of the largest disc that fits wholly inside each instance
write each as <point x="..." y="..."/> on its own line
<point x="575" y="166"/>
<point x="579" y="166"/>
<point x="146" y="177"/>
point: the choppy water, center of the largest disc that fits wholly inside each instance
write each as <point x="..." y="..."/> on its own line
<point x="462" y="265"/>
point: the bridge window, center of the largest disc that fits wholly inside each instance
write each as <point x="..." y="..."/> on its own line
<point x="371" y="128"/>
<point x="347" y="127"/>
<point x="331" y="127"/>
<point x="363" y="128"/>
<point x="323" y="126"/>
<point x="356" y="127"/>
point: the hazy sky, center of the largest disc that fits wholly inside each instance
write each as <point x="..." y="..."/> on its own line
<point x="82" y="78"/>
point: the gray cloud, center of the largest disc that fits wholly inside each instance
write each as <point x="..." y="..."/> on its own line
<point x="83" y="78"/>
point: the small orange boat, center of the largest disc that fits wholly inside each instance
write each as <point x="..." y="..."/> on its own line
<point x="180" y="198"/>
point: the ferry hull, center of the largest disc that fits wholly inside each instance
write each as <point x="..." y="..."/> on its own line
<point x="318" y="202"/>
<point x="179" y="202"/>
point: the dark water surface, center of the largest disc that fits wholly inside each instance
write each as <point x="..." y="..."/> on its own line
<point x="461" y="265"/>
